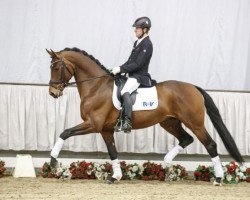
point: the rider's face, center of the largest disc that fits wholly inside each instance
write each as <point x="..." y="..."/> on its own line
<point x="138" y="32"/>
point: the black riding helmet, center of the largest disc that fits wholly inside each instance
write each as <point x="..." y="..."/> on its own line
<point x="142" y="22"/>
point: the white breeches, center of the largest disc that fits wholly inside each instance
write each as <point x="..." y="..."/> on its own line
<point x="130" y="86"/>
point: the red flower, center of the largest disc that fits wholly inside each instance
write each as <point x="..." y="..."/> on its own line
<point x="197" y="174"/>
<point x="248" y="179"/>
<point x="248" y="171"/>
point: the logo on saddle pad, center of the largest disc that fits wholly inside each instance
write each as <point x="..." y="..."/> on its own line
<point x="146" y="99"/>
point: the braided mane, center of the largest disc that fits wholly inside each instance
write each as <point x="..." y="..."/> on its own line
<point x="90" y="56"/>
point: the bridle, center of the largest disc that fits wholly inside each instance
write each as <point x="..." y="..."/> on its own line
<point x="63" y="80"/>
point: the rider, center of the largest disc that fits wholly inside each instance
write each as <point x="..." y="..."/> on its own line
<point x="136" y="67"/>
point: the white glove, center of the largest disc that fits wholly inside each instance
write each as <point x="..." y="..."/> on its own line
<point x="115" y="70"/>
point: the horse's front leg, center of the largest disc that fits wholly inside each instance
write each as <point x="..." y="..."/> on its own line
<point x="81" y="129"/>
<point x="110" y="142"/>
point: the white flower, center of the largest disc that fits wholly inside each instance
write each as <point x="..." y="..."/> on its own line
<point x="98" y="169"/>
<point x="240" y="174"/>
<point x="106" y="175"/>
<point x="133" y="175"/>
<point x="178" y="172"/>
<point x="170" y="168"/>
<point x="224" y="169"/>
<point x="89" y="172"/>
<point x="98" y="175"/>
<point x="229" y="177"/>
<point x="243" y="168"/>
<point x="141" y="169"/>
<point x="237" y="178"/>
<point x="66" y="174"/>
<point x="102" y="167"/>
<point x="135" y="168"/>
<point x="237" y="170"/>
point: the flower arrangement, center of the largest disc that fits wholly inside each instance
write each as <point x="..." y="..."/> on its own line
<point x="248" y="175"/>
<point x="203" y="173"/>
<point x="46" y="171"/>
<point x="88" y="170"/>
<point x="175" y="173"/>
<point x="233" y="173"/>
<point x="2" y="168"/>
<point x="153" y="171"/>
<point x="82" y="170"/>
<point x="62" y="172"/>
<point x="102" y="171"/>
<point x="131" y="171"/>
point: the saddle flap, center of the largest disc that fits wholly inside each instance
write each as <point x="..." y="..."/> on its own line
<point x="143" y="98"/>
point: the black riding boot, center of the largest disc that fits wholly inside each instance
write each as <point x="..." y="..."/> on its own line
<point x="127" y="104"/>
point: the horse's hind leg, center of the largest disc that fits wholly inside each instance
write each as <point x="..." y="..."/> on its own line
<point x="173" y="126"/>
<point x="211" y="147"/>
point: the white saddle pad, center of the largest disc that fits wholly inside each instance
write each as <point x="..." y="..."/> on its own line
<point x="146" y="99"/>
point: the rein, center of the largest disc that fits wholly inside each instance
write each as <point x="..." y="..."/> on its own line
<point x="90" y="79"/>
<point x="63" y="81"/>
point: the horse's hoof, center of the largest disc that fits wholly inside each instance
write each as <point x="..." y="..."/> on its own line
<point x="53" y="163"/>
<point x="217" y="181"/>
<point x="111" y="180"/>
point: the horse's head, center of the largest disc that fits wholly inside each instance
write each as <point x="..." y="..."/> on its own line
<point x="62" y="71"/>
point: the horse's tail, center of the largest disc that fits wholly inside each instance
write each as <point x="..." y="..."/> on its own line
<point x="219" y="125"/>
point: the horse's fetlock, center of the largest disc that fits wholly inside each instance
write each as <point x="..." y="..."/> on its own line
<point x="65" y="134"/>
<point x="212" y="149"/>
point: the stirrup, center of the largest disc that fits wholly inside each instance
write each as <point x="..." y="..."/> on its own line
<point x="118" y="126"/>
<point x="120" y="121"/>
<point x="127" y="126"/>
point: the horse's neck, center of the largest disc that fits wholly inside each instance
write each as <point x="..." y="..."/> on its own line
<point x="85" y="70"/>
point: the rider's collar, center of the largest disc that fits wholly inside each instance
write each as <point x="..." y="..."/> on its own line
<point x="139" y="40"/>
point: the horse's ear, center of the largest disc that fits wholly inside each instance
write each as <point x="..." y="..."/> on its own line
<point x="54" y="54"/>
<point x="50" y="53"/>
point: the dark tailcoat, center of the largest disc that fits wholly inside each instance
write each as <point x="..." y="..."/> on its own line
<point x="138" y="62"/>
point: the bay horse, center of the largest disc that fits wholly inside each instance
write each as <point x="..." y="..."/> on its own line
<point x="179" y="103"/>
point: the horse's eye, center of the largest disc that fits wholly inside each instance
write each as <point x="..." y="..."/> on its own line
<point x="56" y="68"/>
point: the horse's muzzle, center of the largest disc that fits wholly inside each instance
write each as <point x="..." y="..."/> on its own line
<point x="55" y="92"/>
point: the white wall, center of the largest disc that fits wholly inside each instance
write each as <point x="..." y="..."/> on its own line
<point x="202" y="42"/>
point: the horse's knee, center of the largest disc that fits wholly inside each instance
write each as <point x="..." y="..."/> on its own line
<point x="186" y="140"/>
<point x="65" y="134"/>
<point x="212" y="149"/>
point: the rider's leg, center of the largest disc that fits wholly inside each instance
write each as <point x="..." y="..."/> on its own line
<point x="130" y="86"/>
